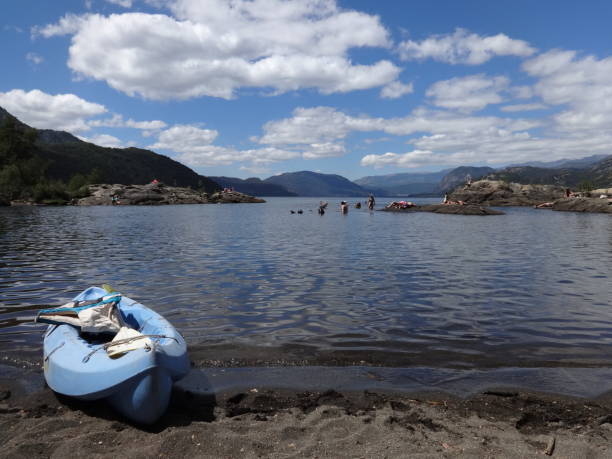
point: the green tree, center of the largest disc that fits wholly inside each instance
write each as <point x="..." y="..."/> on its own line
<point x="77" y="181"/>
<point x="33" y="170"/>
<point x="11" y="183"/>
<point x="95" y="176"/>
<point x="15" y="143"/>
<point x="50" y="192"/>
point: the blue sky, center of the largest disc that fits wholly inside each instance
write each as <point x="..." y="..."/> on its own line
<point x="258" y="87"/>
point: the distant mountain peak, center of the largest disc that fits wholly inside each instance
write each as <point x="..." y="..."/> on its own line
<point x="309" y="183"/>
<point x="252" y="186"/>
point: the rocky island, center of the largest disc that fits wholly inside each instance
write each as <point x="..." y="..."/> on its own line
<point x="578" y="204"/>
<point x="157" y="194"/>
<point x="452" y="209"/>
<point x="501" y="193"/>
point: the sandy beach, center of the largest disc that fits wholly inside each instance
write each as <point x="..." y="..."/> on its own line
<point x="279" y="423"/>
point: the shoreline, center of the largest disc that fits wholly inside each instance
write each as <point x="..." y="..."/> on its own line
<point x="260" y="420"/>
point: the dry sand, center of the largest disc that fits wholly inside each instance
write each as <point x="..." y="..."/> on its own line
<point x="329" y="424"/>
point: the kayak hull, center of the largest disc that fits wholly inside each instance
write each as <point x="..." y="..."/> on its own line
<point x="138" y="384"/>
<point x="145" y="397"/>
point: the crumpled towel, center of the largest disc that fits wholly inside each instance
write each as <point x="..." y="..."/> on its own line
<point x="99" y="319"/>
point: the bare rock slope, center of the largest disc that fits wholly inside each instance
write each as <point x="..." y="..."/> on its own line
<point x="452" y="209"/>
<point x="499" y="193"/>
<point x="157" y="194"/>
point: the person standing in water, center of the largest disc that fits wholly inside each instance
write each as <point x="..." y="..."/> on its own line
<point x="371" y="202"/>
<point x="322" y="206"/>
<point x="344" y="207"/>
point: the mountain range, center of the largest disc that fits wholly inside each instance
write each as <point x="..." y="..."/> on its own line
<point x="589" y="172"/>
<point x="597" y="175"/>
<point x="253" y="186"/>
<point x="564" y="163"/>
<point x="62" y="156"/>
<point x="307" y="183"/>
<point x="403" y="184"/>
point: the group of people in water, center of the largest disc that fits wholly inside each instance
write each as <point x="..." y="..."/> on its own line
<point x="371" y="202"/>
<point x="344" y="206"/>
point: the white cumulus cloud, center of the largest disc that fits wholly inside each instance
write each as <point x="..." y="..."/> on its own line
<point x="195" y="148"/>
<point x="395" y="90"/>
<point x="65" y="112"/>
<point x="414" y="158"/>
<point x="216" y="47"/>
<point x="104" y="140"/>
<point x="323" y="150"/>
<point x="581" y="85"/>
<point x="117" y="121"/>
<point x="307" y="126"/>
<point x="463" y="47"/>
<point x="468" y="93"/>
<point x="185" y="138"/>
<point x="123" y="3"/>
<point x="213" y="155"/>
<point x="522" y="107"/>
<point x="439" y="137"/>
<point x="68" y="25"/>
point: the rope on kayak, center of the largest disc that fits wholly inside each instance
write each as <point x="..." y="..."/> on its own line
<point x="51" y="353"/>
<point x="126" y="341"/>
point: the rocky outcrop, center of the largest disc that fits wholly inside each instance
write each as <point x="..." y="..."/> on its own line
<point x="453" y="209"/>
<point x="156" y="194"/>
<point x="229" y="197"/>
<point x="499" y="193"/>
<point x="596" y="205"/>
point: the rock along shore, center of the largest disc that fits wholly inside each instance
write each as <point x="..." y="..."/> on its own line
<point x="583" y="205"/>
<point x="451" y="209"/>
<point x="157" y="194"/>
<point x="498" y="193"/>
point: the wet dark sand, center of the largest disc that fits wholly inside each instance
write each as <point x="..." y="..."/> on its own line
<point x="461" y="357"/>
<point x="228" y="412"/>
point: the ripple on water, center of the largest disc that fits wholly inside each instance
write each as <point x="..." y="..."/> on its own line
<point x="467" y="291"/>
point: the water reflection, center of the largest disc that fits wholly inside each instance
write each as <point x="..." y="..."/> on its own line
<point x="536" y="283"/>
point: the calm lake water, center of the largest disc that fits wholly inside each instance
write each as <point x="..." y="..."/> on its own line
<point x="532" y="288"/>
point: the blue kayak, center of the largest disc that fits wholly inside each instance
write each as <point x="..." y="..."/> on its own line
<point x="137" y="382"/>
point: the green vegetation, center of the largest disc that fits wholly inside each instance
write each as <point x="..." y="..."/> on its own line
<point x="23" y="172"/>
<point x="53" y="167"/>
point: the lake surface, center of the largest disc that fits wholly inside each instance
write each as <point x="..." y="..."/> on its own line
<point x="532" y="288"/>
